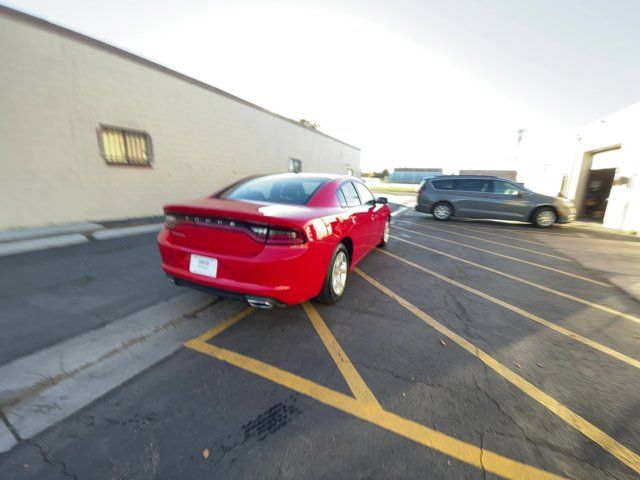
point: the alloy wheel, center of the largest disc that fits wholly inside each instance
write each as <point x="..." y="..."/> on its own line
<point x="387" y="229"/>
<point x="442" y="211"/>
<point x="546" y="218"/>
<point x="339" y="273"/>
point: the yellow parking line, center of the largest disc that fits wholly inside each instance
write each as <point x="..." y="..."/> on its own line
<point x="376" y="415"/>
<point x="603" y="308"/>
<point x="221" y="327"/>
<point x="586" y="341"/>
<point x="349" y="372"/>
<point x="488" y="241"/>
<point x="622" y="453"/>
<point x="562" y="272"/>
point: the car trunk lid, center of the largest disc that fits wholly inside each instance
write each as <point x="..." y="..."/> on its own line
<point x="224" y="226"/>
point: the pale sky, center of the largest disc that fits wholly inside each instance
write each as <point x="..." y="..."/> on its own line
<point x="412" y="82"/>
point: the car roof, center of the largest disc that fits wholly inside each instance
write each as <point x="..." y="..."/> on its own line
<point x="326" y="176"/>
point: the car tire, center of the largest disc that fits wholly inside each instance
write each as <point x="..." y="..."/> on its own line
<point x="442" y="211"/>
<point x="544" y="217"/>
<point x="385" y="233"/>
<point x="335" y="281"/>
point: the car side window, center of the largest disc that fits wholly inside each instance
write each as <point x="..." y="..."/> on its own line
<point x="505" y="188"/>
<point x="366" y="197"/>
<point x="341" y="199"/>
<point x="350" y="194"/>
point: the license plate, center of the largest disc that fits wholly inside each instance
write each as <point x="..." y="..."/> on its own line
<point x="206" y="266"/>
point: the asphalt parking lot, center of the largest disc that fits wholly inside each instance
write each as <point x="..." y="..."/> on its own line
<point x="462" y="350"/>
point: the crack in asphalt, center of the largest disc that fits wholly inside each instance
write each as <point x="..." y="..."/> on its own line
<point x="462" y="314"/>
<point x="537" y="444"/>
<point x="402" y="377"/>
<point x="43" y="453"/>
<point x="484" y="472"/>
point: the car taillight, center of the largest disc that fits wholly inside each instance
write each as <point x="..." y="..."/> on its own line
<point x="278" y="236"/>
<point x="260" y="231"/>
<point x="284" y="236"/>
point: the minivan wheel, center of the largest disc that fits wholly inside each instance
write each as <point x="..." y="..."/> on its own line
<point x="336" y="280"/>
<point x="442" y="211"/>
<point x="544" y="217"/>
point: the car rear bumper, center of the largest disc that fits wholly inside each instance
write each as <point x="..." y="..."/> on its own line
<point x="285" y="274"/>
<point x="267" y="302"/>
<point x="423" y="205"/>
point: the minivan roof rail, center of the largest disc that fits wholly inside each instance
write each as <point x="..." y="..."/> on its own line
<point x="466" y="176"/>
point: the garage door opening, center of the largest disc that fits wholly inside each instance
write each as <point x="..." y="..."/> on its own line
<point x="596" y="194"/>
<point x="595" y="183"/>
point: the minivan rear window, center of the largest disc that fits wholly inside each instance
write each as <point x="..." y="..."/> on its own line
<point x="293" y="191"/>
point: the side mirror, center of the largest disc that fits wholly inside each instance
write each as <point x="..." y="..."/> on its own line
<point x="520" y="193"/>
<point x="382" y="200"/>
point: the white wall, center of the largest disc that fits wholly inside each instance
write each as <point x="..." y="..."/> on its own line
<point x="620" y="129"/>
<point x="56" y="90"/>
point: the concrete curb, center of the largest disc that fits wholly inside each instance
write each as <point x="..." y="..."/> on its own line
<point x="24" y="375"/>
<point x="23" y="246"/>
<point x="48" y="386"/>
<point x="126" y="231"/>
<point x="31" y="239"/>
<point x="40" y="232"/>
<point x="7" y="440"/>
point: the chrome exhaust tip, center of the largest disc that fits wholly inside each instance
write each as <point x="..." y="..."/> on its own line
<point x="263" y="303"/>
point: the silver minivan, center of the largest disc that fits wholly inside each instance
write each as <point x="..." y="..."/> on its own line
<point x="480" y="196"/>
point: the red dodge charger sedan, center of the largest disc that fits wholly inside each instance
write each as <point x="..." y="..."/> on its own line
<point x="274" y="240"/>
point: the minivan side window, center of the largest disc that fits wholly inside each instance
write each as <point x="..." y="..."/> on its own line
<point x="350" y="194"/>
<point x="505" y="188"/>
<point x="366" y="197"/>
<point x="473" y="185"/>
<point x="449" y="184"/>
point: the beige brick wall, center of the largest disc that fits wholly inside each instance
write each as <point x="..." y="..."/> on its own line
<point x="55" y="91"/>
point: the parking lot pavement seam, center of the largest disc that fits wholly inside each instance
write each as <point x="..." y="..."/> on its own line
<point x="485" y="230"/>
<point x="489" y="241"/>
<point x="568" y="296"/>
<point x="531" y="316"/>
<point x="465" y="452"/>
<point x="608" y="443"/>
<point x="508" y="257"/>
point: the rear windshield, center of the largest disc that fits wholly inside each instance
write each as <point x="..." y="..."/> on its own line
<point x="293" y="191"/>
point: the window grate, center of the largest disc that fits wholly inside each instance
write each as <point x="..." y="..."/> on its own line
<point x="120" y="146"/>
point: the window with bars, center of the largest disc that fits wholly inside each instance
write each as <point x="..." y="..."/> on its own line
<point x="121" y="146"/>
